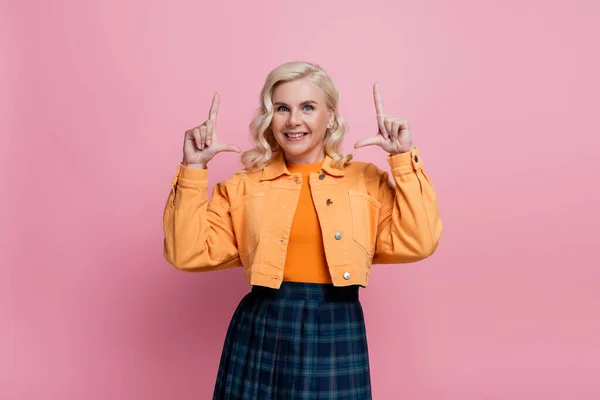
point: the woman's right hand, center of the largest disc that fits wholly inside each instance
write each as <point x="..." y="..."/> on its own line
<point x="200" y="144"/>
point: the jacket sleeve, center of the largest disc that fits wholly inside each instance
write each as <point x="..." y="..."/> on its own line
<point x="198" y="233"/>
<point x="410" y="226"/>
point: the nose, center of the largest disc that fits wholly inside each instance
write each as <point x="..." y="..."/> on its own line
<point x="293" y="120"/>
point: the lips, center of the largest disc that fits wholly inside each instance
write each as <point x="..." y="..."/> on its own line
<point x="295" y="134"/>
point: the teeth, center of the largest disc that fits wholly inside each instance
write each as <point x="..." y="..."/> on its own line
<point x="295" y="135"/>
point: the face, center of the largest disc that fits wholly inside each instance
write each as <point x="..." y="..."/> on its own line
<point x="300" y="108"/>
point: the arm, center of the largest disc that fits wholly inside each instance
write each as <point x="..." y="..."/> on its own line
<point x="409" y="221"/>
<point x="198" y="233"/>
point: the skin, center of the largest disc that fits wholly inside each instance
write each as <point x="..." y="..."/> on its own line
<point x="201" y="144"/>
<point x="393" y="136"/>
<point x="293" y="114"/>
<point x="300" y="106"/>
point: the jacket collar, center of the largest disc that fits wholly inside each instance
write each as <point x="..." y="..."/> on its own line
<point x="277" y="167"/>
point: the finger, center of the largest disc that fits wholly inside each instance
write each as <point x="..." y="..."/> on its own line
<point x="203" y="136"/>
<point x="379" y="110"/>
<point x="370" y="141"/>
<point x="214" y="108"/>
<point x="404" y="125"/>
<point x="197" y="138"/>
<point x="210" y="129"/>
<point x="396" y="129"/>
<point x="377" y="98"/>
<point x="381" y="125"/>
<point x="226" y="147"/>
<point x="388" y="127"/>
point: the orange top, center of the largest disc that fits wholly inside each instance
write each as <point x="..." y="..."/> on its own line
<point x="305" y="260"/>
<point x="365" y="218"/>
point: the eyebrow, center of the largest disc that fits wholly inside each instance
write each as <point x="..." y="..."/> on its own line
<point x="303" y="103"/>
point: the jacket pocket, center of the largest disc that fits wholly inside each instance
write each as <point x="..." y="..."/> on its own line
<point x="365" y="214"/>
<point x="245" y="216"/>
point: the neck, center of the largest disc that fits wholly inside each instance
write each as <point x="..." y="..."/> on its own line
<point x="304" y="158"/>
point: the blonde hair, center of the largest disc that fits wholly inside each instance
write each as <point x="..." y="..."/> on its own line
<point x="265" y="145"/>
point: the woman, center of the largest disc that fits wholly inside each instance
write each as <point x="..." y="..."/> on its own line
<point x="306" y="224"/>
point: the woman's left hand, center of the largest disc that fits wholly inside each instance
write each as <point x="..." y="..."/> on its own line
<point x="393" y="136"/>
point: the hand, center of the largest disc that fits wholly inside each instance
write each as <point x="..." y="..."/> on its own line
<point x="393" y="135"/>
<point x="200" y="144"/>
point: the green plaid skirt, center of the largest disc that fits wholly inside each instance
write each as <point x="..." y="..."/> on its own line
<point x="302" y="341"/>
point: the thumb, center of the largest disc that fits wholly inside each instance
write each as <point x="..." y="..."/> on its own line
<point x="227" y="147"/>
<point x="370" y="141"/>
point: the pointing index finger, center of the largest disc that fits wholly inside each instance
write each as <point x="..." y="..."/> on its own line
<point x="377" y="98"/>
<point x="214" y="108"/>
<point x="379" y="110"/>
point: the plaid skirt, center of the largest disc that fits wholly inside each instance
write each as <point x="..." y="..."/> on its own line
<point x="302" y="341"/>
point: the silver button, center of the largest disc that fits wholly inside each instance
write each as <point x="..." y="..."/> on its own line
<point x="338" y="235"/>
<point x="346" y="275"/>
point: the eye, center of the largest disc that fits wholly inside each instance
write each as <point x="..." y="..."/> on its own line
<point x="280" y="108"/>
<point x="309" y="107"/>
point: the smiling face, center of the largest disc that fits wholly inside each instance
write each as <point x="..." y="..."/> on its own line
<point x="300" y="120"/>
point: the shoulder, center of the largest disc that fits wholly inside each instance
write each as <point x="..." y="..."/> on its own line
<point x="240" y="183"/>
<point x="237" y="187"/>
<point x="242" y="176"/>
<point x="365" y="170"/>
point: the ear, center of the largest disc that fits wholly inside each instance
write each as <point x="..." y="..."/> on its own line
<point x="331" y="116"/>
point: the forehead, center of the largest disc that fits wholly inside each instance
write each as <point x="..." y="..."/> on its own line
<point x="298" y="91"/>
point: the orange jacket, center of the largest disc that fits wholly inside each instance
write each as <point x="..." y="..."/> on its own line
<point x="364" y="218"/>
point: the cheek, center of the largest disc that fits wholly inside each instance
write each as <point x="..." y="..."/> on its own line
<point x="320" y="122"/>
<point x="276" y="124"/>
<point x="324" y="118"/>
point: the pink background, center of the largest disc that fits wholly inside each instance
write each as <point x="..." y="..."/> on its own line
<point x="502" y="100"/>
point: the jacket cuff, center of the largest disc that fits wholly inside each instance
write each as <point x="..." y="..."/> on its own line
<point x="191" y="177"/>
<point x="405" y="162"/>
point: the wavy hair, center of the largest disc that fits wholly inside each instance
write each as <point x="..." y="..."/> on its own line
<point x="265" y="145"/>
